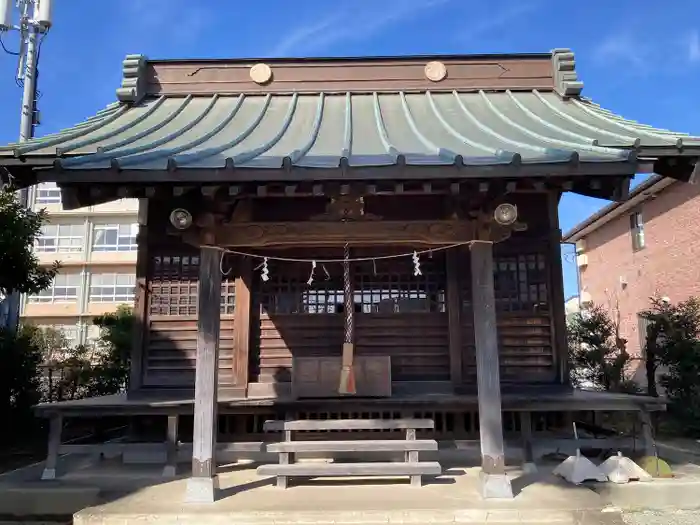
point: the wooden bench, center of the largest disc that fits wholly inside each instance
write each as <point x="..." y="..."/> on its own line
<point x="411" y="446"/>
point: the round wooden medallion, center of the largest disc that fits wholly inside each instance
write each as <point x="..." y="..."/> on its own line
<point x="260" y="73"/>
<point x="435" y="71"/>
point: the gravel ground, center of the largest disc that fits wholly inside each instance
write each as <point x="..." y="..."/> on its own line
<point x="678" y="517"/>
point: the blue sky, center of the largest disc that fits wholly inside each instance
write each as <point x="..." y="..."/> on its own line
<point x="639" y="58"/>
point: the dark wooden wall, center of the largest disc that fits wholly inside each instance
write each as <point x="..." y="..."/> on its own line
<point x="170" y="335"/>
<point x="523" y="313"/>
<point x="397" y="314"/>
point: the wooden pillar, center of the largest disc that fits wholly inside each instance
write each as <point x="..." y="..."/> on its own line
<point x="529" y="466"/>
<point x="55" y="431"/>
<point x="203" y="484"/>
<point x="140" y="301"/>
<point x="242" y="320"/>
<point x="494" y="481"/>
<point x="556" y="296"/>
<point x="171" y="447"/>
<point x="648" y="444"/>
<point x="454" y="313"/>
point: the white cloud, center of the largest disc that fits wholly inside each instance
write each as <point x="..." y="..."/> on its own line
<point x="349" y="22"/>
<point x="172" y="20"/>
<point x="495" y="20"/>
<point x="622" y="48"/>
<point x="639" y="54"/>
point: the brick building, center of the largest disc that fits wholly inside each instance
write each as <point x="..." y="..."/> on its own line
<point x="648" y="245"/>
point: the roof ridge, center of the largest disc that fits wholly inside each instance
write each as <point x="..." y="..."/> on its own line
<point x="134" y="83"/>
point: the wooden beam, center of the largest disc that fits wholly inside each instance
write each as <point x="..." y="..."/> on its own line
<point x="330" y="233"/>
<point x="454" y="315"/>
<point x="140" y="330"/>
<point x="494" y="481"/>
<point x="203" y="484"/>
<point x="242" y="320"/>
<point x="556" y="295"/>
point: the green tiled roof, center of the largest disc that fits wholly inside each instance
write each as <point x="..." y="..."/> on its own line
<point x="476" y="128"/>
<point x="535" y="128"/>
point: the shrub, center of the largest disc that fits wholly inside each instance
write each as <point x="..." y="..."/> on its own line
<point x="673" y="340"/>
<point x="597" y="354"/>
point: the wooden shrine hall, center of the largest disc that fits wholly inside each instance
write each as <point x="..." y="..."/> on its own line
<point x="349" y="245"/>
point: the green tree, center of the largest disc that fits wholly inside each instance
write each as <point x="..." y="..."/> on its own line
<point x="598" y="355"/>
<point x="19" y="266"/>
<point x="19" y="381"/>
<point x="21" y="272"/>
<point x="52" y="342"/>
<point x="114" y="348"/>
<point x="673" y="341"/>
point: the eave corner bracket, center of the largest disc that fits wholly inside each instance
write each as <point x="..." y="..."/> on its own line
<point x="566" y="81"/>
<point x="133" y="86"/>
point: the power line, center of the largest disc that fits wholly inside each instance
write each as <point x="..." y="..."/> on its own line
<point x="15" y="53"/>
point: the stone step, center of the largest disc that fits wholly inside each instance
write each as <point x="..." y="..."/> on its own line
<point x="351" y="469"/>
<point x="354" y="446"/>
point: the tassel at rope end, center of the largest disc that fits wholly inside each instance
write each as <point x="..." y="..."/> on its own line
<point x="347" y="372"/>
<point x="347" y="381"/>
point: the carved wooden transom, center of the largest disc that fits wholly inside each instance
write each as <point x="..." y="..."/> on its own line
<point x="345" y="208"/>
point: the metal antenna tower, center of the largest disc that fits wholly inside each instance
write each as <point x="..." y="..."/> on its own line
<point x="35" y="20"/>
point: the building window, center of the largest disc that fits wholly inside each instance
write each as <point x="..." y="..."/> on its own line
<point x="115" y="237"/>
<point x="637" y="230"/>
<point x="112" y="287"/>
<point x="70" y="332"/>
<point x="64" y="289"/>
<point x="92" y="337"/>
<point x="48" y="193"/>
<point x="65" y="238"/>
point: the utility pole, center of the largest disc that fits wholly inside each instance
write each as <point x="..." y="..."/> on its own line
<point x="34" y="23"/>
<point x="27" y="119"/>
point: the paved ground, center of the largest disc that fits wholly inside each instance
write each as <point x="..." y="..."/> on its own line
<point x="680" y="517"/>
<point x="119" y="494"/>
<point x="640" y="518"/>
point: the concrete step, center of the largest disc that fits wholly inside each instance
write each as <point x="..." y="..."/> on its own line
<point x="432" y="517"/>
<point x="351" y="469"/>
<point x="354" y="446"/>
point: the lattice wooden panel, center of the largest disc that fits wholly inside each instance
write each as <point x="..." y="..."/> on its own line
<point x="381" y="286"/>
<point x="449" y="424"/>
<point x="520" y="283"/>
<point x="174" y="283"/>
<point x="522" y="313"/>
<point x="390" y="286"/>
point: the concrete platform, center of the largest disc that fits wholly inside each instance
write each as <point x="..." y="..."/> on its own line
<point x="246" y="498"/>
<point x="110" y="493"/>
